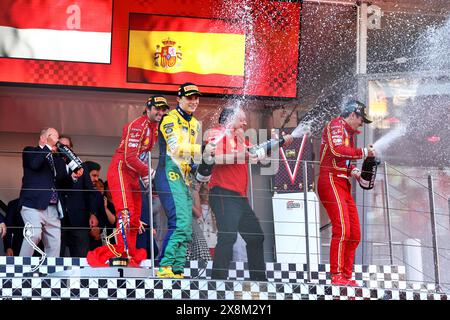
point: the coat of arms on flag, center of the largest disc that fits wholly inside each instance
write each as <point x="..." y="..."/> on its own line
<point x="167" y="55"/>
<point x="173" y="50"/>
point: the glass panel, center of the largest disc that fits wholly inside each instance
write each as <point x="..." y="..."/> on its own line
<point x="409" y="130"/>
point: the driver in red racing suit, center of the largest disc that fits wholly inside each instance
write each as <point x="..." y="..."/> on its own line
<point x="334" y="188"/>
<point x="124" y="172"/>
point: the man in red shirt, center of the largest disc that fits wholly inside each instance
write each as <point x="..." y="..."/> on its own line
<point x="125" y="170"/>
<point x="334" y="187"/>
<point x="228" y="196"/>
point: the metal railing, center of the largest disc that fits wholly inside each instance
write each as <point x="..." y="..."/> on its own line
<point x="390" y="226"/>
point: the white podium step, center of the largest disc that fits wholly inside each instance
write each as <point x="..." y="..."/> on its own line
<point x="107" y="272"/>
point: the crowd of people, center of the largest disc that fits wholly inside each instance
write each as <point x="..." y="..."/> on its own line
<point x="75" y="213"/>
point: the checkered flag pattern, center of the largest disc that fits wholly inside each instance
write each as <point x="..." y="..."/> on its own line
<point x="141" y="289"/>
<point x="61" y="73"/>
<point x="286" y="282"/>
<point x="285" y="80"/>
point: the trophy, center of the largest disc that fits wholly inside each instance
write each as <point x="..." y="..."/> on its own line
<point x="120" y="260"/>
<point x="27" y="235"/>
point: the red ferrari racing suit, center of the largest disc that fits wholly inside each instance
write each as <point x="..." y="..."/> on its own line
<point x="138" y="136"/>
<point x="334" y="189"/>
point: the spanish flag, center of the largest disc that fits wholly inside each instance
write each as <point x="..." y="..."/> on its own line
<point x="173" y="50"/>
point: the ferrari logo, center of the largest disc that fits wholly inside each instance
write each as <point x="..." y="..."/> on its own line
<point x="167" y="55"/>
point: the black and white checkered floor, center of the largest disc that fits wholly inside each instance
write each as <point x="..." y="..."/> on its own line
<point x="286" y="282"/>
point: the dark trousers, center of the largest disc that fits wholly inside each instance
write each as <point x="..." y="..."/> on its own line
<point x="77" y="240"/>
<point x="234" y="214"/>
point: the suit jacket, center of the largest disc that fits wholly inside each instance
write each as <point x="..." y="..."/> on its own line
<point x="78" y="200"/>
<point x="39" y="178"/>
<point x="15" y="224"/>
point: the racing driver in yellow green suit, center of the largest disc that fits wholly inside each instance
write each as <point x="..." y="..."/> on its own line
<point x="177" y="136"/>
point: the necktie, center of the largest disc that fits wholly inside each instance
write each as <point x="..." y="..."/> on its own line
<point x="54" y="196"/>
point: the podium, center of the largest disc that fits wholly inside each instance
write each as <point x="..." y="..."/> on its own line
<point x="290" y="228"/>
<point x="103" y="272"/>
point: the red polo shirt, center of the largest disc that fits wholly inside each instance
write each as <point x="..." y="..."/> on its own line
<point x="230" y="176"/>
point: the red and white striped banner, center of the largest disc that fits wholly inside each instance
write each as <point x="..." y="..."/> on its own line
<point x="63" y="30"/>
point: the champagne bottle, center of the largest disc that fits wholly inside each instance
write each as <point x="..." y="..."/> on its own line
<point x="369" y="173"/>
<point x="267" y="145"/>
<point x="204" y="169"/>
<point x="71" y="159"/>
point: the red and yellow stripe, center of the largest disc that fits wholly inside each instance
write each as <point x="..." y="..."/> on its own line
<point x="212" y="52"/>
<point x="323" y="153"/>
<point x="342" y="221"/>
<point x="122" y="185"/>
<point x="330" y="142"/>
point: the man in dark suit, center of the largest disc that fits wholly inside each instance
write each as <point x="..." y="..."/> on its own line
<point x="42" y="175"/>
<point x="14" y="236"/>
<point x="79" y="208"/>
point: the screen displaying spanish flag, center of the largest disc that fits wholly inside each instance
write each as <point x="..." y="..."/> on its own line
<point x="173" y="50"/>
